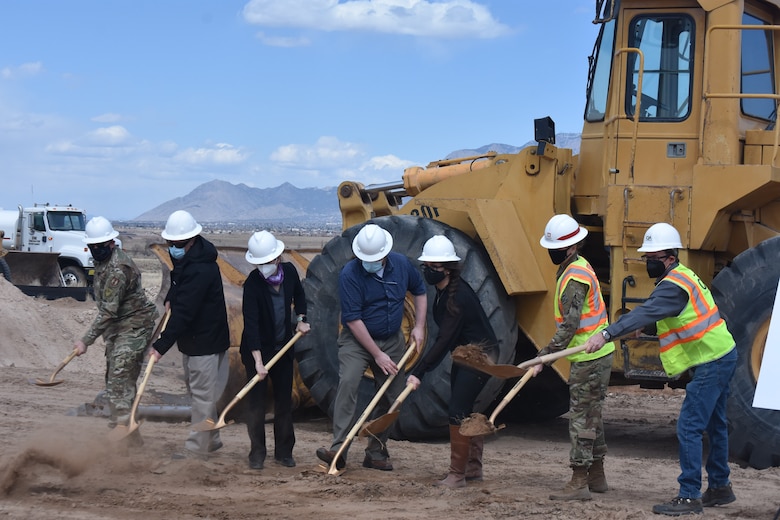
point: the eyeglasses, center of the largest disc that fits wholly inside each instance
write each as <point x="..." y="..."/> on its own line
<point x="177" y="243"/>
<point x="646" y="258"/>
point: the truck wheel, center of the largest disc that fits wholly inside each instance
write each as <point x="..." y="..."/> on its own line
<point x="424" y="412"/>
<point x="745" y="294"/>
<point x="74" y="276"/>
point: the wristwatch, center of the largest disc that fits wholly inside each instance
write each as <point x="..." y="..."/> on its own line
<point x="302" y="318"/>
<point x="606" y="335"/>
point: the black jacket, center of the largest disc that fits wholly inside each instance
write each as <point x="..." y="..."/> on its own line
<point x="198" y="321"/>
<point x="259" y="329"/>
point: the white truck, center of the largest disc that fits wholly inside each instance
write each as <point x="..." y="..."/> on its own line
<point x="53" y="229"/>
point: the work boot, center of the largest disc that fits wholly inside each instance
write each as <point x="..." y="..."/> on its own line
<point x="719" y="496"/>
<point x="577" y="487"/>
<point x="474" y="464"/>
<point x="679" y="506"/>
<point x="597" y="481"/>
<point x="459" y="456"/>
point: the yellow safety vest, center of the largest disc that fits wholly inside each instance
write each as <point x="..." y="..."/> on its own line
<point x="593" y="317"/>
<point x="698" y="334"/>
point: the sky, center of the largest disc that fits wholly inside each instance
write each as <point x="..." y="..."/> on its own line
<point x="118" y="106"/>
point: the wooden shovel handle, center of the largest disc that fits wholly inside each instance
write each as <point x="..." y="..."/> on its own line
<point x="510" y="395"/>
<point x="370" y="408"/>
<point x="400" y="399"/>
<point x="547" y="358"/>
<point x="62" y="365"/>
<point x="149" y="365"/>
<point x="256" y="379"/>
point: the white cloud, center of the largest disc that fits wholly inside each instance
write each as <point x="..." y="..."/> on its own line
<point x="220" y="154"/>
<point x="109" y="136"/>
<point x="447" y="19"/>
<point x="24" y="70"/>
<point x="327" y="152"/>
<point x="386" y="162"/>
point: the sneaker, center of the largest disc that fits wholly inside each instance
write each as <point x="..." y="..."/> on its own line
<point x="679" y="506"/>
<point x="327" y="456"/>
<point x="380" y="464"/>
<point x="718" y="496"/>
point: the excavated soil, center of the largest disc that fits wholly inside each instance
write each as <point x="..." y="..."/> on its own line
<point x="57" y="464"/>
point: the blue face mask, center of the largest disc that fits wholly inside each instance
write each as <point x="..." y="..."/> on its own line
<point x="176" y="252"/>
<point x="372" y="267"/>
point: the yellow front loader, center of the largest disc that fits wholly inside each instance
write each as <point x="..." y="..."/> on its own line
<point x="679" y="127"/>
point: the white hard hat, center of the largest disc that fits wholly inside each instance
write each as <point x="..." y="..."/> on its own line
<point x="372" y="243"/>
<point x="99" y="230"/>
<point x="660" y="237"/>
<point x="181" y="226"/>
<point x="438" y="248"/>
<point x="561" y="232"/>
<point x="263" y="247"/>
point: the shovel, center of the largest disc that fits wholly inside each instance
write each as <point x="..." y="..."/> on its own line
<point x="51" y="381"/>
<point x="121" y="431"/>
<point x="472" y="357"/>
<point x="383" y="422"/>
<point x="209" y="424"/>
<point x="476" y="424"/>
<point x="370" y="408"/>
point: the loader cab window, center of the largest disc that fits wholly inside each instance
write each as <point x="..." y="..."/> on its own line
<point x="598" y="75"/>
<point x="66" y="221"/>
<point x="666" y="41"/>
<point x="757" y="69"/>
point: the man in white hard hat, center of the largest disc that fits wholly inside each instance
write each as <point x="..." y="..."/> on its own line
<point x="198" y="324"/>
<point x="372" y="289"/>
<point x="125" y="319"/>
<point x="579" y="311"/>
<point x="693" y="336"/>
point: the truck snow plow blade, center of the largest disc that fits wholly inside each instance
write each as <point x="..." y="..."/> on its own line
<point x="38" y="274"/>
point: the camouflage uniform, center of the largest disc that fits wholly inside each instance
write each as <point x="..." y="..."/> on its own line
<point x="126" y="321"/>
<point x="588" y="381"/>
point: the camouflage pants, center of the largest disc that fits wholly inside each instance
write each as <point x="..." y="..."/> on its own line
<point x="588" y="382"/>
<point x="124" y="355"/>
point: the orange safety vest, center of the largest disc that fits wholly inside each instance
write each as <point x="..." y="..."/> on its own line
<point x="698" y="334"/>
<point x="593" y="317"/>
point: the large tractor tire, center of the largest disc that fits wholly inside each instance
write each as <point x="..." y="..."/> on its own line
<point x="745" y="294"/>
<point x="424" y="413"/>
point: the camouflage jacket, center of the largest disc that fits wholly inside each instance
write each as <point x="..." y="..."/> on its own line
<point x="121" y="301"/>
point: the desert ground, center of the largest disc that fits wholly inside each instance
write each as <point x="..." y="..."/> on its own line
<point x="58" y="463"/>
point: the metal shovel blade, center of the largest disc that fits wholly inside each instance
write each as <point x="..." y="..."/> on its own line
<point x="477" y="424"/>
<point x="121" y="431"/>
<point x="209" y="425"/>
<point x="41" y="382"/>
<point x="379" y="424"/>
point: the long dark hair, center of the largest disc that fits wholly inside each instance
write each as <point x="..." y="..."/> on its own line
<point x="452" y="287"/>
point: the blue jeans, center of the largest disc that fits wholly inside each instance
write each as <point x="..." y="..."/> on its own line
<point x="704" y="409"/>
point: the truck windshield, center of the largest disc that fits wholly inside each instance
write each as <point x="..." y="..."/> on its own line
<point x="598" y="76"/>
<point x="66" y="221"/>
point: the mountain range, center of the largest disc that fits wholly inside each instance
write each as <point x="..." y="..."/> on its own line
<point x="222" y="202"/>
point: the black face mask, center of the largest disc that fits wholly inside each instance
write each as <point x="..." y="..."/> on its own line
<point x="655" y="268"/>
<point x="433" y="276"/>
<point x="557" y="255"/>
<point x="100" y="252"/>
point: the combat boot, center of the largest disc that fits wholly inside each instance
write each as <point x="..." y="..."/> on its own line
<point x="597" y="481"/>
<point x="459" y="455"/>
<point x="474" y="465"/>
<point x="577" y="488"/>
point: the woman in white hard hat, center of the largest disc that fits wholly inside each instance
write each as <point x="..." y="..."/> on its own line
<point x="692" y="336"/>
<point x="579" y="312"/>
<point x="461" y="320"/>
<point x="270" y="292"/>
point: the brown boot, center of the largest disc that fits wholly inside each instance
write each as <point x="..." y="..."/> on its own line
<point x="459" y="455"/>
<point x="597" y="481"/>
<point x="474" y="464"/>
<point x="577" y="488"/>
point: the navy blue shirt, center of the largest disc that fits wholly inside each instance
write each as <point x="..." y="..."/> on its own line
<point x="379" y="302"/>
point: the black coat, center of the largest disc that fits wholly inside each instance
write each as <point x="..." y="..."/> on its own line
<point x="259" y="329"/>
<point x="198" y="322"/>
